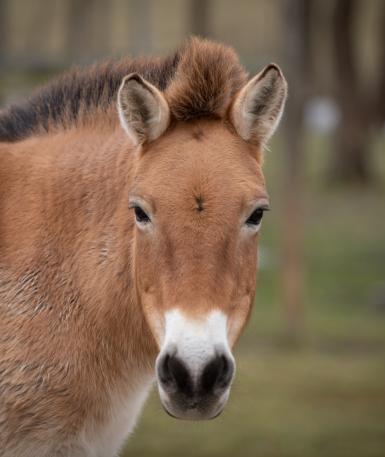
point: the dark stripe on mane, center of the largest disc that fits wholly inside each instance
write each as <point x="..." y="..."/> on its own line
<point x="198" y="80"/>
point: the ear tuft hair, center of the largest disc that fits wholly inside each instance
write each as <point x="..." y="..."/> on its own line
<point x="207" y="77"/>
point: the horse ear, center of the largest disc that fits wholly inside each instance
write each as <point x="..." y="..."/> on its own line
<point x="143" y="111"/>
<point x="258" y="107"/>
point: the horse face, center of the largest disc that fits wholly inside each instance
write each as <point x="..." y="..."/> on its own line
<point x="198" y="198"/>
<point x="198" y="205"/>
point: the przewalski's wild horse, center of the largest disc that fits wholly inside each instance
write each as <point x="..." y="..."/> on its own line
<point x="131" y="196"/>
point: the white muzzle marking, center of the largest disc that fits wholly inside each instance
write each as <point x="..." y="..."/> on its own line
<point x="196" y="341"/>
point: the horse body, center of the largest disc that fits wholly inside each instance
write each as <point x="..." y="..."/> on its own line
<point x="97" y="300"/>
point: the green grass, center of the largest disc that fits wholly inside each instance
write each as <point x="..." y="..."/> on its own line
<point x="326" y="395"/>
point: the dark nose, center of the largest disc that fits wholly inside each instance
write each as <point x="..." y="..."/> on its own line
<point x="175" y="376"/>
<point x="217" y="374"/>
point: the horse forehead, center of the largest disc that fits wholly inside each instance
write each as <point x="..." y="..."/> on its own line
<point x="202" y="156"/>
<point x="209" y="139"/>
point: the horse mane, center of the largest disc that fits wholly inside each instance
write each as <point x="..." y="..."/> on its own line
<point x="198" y="80"/>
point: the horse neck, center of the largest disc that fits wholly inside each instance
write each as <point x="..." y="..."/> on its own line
<point x="82" y="240"/>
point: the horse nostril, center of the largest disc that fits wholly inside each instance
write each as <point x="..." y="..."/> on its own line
<point x="217" y="374"/>
<point x="227" y="373"/>
<point x="178" y="372"/>
<point x="173" y="373"/>
<point x="164" y="371"/>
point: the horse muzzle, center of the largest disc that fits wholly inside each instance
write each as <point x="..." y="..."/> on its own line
<point x="195" y="367"/>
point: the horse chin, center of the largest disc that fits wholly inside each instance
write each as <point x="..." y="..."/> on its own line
<point x="205" y="409"/>
<point x="191" y="414"/>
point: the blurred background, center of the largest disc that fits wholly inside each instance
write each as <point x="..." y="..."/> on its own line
<point x="311" y="364"/>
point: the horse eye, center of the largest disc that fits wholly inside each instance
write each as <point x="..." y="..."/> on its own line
<point x="140" y="215"/>
<point x="255" y="217"/>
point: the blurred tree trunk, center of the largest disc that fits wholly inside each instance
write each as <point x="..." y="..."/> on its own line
<point x="3" y="30"/>
<point x="297" y="67"/>
<point x="88" y="26"/>
<point x="351" y="159"/>
<point x="3" y="45"/>
<point x="380" y="96"/>
<point x="199" y="17"/>
<point x="140" y="27"/>
<point x="101" y="30"/>
<point x="78" y="20"/>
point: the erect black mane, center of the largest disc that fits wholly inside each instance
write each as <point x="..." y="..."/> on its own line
<point x="64" y="100"/>
<point x="200" y="79"/>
